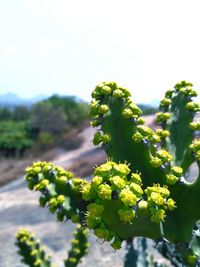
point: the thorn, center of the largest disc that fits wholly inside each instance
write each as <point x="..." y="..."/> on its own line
<point x="165" y="167"/>
<point x="192" y="113"/>
<point x="46" y="192"/>
<point x="167" y="164"/>
<point x="35" y="180"/>
<point x="163" y="124"/>
<point x="188" y="98"/>
<point x="122" y="101"/>
<point x="135" y="207"/>
<point x="108" y="182"/>
<point x="102" y="97"/>
<point x="134" y="120"/>
<point x="52" y="173"/>
<point x="100" y="118"/>
<point x="156" y="145"/>
<point x="104" y="147"/>
<point x="182" y="180"/>
<point x="162" y="167"/>
<point x="146" y="142"/>
<point x="61" y="208"/>
<point x="193" y="154"/>
<point x="115" y="195"/>
<point x="70" y="182"/>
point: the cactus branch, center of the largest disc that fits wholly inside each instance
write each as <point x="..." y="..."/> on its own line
<point x="31" y="251"/>
<point x="79" y="247"/>
<point x="34" y="255"/>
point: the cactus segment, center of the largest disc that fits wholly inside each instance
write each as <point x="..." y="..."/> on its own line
<point x="35" y="256"/>
<point x="165" y="165"/>
<point x="127" y="139"/>
<point x="177" y="135"/>
<point x="31" y="251"/>
<point x="79" y="247"/>
<point x="60" y="190"/>
<point x="120" y="206"/>
<point x="179" y="123"/>
<point x="195" y="245"/>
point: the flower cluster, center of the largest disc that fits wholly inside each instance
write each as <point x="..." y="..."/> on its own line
<point x="114" y="183"/>
<point x="100" y="102"/>
<point x="195" y="148"/>
<point x="159" y="202"/>
<point x="162" y="116"/>
<point x="111" y="182"/>
<point x="100" y="107"/>
<point x="58" y="189"/>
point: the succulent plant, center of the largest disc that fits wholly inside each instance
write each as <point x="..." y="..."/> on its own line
<point x="31" y="251"/>
<point x="143" y="188"/>
<point x="34" y="255"/>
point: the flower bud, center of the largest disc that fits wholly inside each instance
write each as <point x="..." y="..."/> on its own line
<point x="104" y="191"/>
<point x="126" y="214"/>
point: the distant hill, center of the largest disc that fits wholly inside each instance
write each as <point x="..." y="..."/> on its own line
<point x="10" y="99"/>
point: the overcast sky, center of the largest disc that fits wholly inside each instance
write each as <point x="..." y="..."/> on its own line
<point x="67" y="47"/>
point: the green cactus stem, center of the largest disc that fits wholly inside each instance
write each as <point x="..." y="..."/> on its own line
<point x="31" y="251"/>
<point x="131" y="255"/>
<point x="34" y="255"/>
<point x="180" y="123"/>
<point x="60" y="190"/>
<point x="127" y="138"/>
<point x="137" y="254"/>
<point x="184" y="147"/>
<point x="143" y="148"/>
<point x="79" y="247"/>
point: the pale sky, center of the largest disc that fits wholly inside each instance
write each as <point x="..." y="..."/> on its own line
<point x="67" y="47"/>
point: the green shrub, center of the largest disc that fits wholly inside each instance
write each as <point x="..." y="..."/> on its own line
<point x="14" y="138"/>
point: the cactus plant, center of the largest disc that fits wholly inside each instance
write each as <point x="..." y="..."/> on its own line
<point x="31" y="251"/>
<point x="137" y="255"/>
<point x="142" y="189"/>
<point x="35" y="256"/>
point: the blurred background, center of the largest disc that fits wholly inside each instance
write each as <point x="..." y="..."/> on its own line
<point x="52" y="54"/>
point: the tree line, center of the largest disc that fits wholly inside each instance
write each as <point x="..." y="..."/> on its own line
<point x="45" y="124"/>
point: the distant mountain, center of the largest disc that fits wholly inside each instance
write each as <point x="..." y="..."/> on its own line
<point x="38" y="98"/>
<point x="154" y="103"/>
<point x="10" y="99"/>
